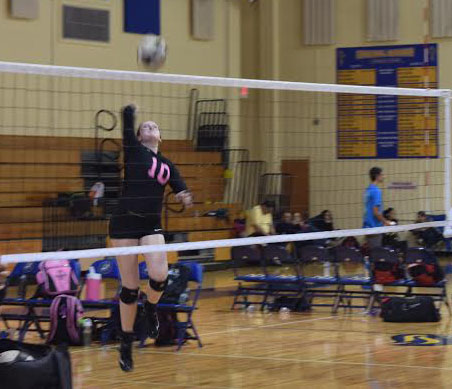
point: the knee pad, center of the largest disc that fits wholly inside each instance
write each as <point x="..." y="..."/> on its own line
<point x="158" y="286"/>
<point x="128" y="296"/>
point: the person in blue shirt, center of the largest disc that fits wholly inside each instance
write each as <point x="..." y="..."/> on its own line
<point x="373" y="207"/>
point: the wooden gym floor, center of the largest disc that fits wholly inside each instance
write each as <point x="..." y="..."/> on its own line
<point x="277" y="350"/>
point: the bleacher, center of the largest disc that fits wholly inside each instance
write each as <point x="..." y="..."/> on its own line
<point x="35" y="169"/>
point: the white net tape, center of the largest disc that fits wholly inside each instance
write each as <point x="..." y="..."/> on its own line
<point x="103" y="74"/>
<point x="98" y="253"/>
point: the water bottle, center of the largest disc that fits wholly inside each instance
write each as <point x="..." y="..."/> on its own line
<point x="93" y="282"/>
<point x="87" y="332"/>
<point x="326" y="269"/>
<point x="366" y="267"/>
<point x="22" y="286"/>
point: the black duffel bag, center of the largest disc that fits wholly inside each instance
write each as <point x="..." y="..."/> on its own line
<point x="417" y="309"/>
<point x="33" y="366"/>
<point x="294" y="304"/>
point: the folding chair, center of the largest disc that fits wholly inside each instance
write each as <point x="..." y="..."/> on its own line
<point x="277" y="283"/>
<point x="421" y="255"/>
<point x="108" y="268"/>
<point x="22" y="275"/>
<point x="196" y="277"/>
<point x="249" y="284"/>
<point x="188" y="308"/>
<point x="26" y="274"/>
<point x="390" y="258"/>
<point x="350" y="255"/>
<point x="313" y="254"/>
<point x="447" y="241"/>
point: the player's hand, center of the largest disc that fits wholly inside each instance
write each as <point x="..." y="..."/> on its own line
<point x="131" y="108"/>
<point x="185" y="198"/>
<point x="388" y="223"/>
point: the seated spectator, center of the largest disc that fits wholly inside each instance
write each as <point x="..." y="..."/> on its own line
<point x="285" y="225"/>
<point x="323" y="221"/>
<point x="351" y="242"/>
<point x="239" y="226"/>
<point x="301" y="222"/>
<point x="428" y="237"/>
<point x="259" y="221"/>
<point x="389" y="214"/>
<point x="392" y="239"/>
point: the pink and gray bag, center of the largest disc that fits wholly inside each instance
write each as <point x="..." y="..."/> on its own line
<point x="65" y="313"/>
<point x="57" y="277"/>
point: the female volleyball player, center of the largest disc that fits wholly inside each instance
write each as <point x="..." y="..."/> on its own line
<point x="137" y="221"/>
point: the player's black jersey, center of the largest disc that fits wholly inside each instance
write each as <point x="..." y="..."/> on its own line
<point x="145" y="173"/>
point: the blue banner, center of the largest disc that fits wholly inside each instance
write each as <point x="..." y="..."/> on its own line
<point x="142" y="16"/>
<point x="378" y="126"/>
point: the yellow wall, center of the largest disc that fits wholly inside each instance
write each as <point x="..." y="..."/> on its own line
<point x="317" y="63"/>
<point x="66" y="107"/>
<point x="24" y="40"/>
<point x="34" y="40"/>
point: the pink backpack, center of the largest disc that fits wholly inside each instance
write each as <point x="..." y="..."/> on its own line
<point x="65" y="313"/>
<point x="57" y="277"/>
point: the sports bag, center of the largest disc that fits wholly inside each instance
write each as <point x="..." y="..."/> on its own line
<point x="65" y="312"/>
<point x="56" y="277"/>
<point x="416" y="309"/>
<point x="33" y="366"/>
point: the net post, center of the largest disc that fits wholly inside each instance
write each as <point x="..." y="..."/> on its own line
<point x="447" y="160"/>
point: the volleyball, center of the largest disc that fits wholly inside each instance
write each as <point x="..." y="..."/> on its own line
<point x="152" y="51"/>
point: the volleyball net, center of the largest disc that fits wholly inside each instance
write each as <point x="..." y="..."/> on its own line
<point x="307" y="148"/>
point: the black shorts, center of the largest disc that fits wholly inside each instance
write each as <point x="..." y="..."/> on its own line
<point x="134" y="226"/>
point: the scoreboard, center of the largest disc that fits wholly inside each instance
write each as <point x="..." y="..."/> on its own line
<point x="384" y="126"/>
